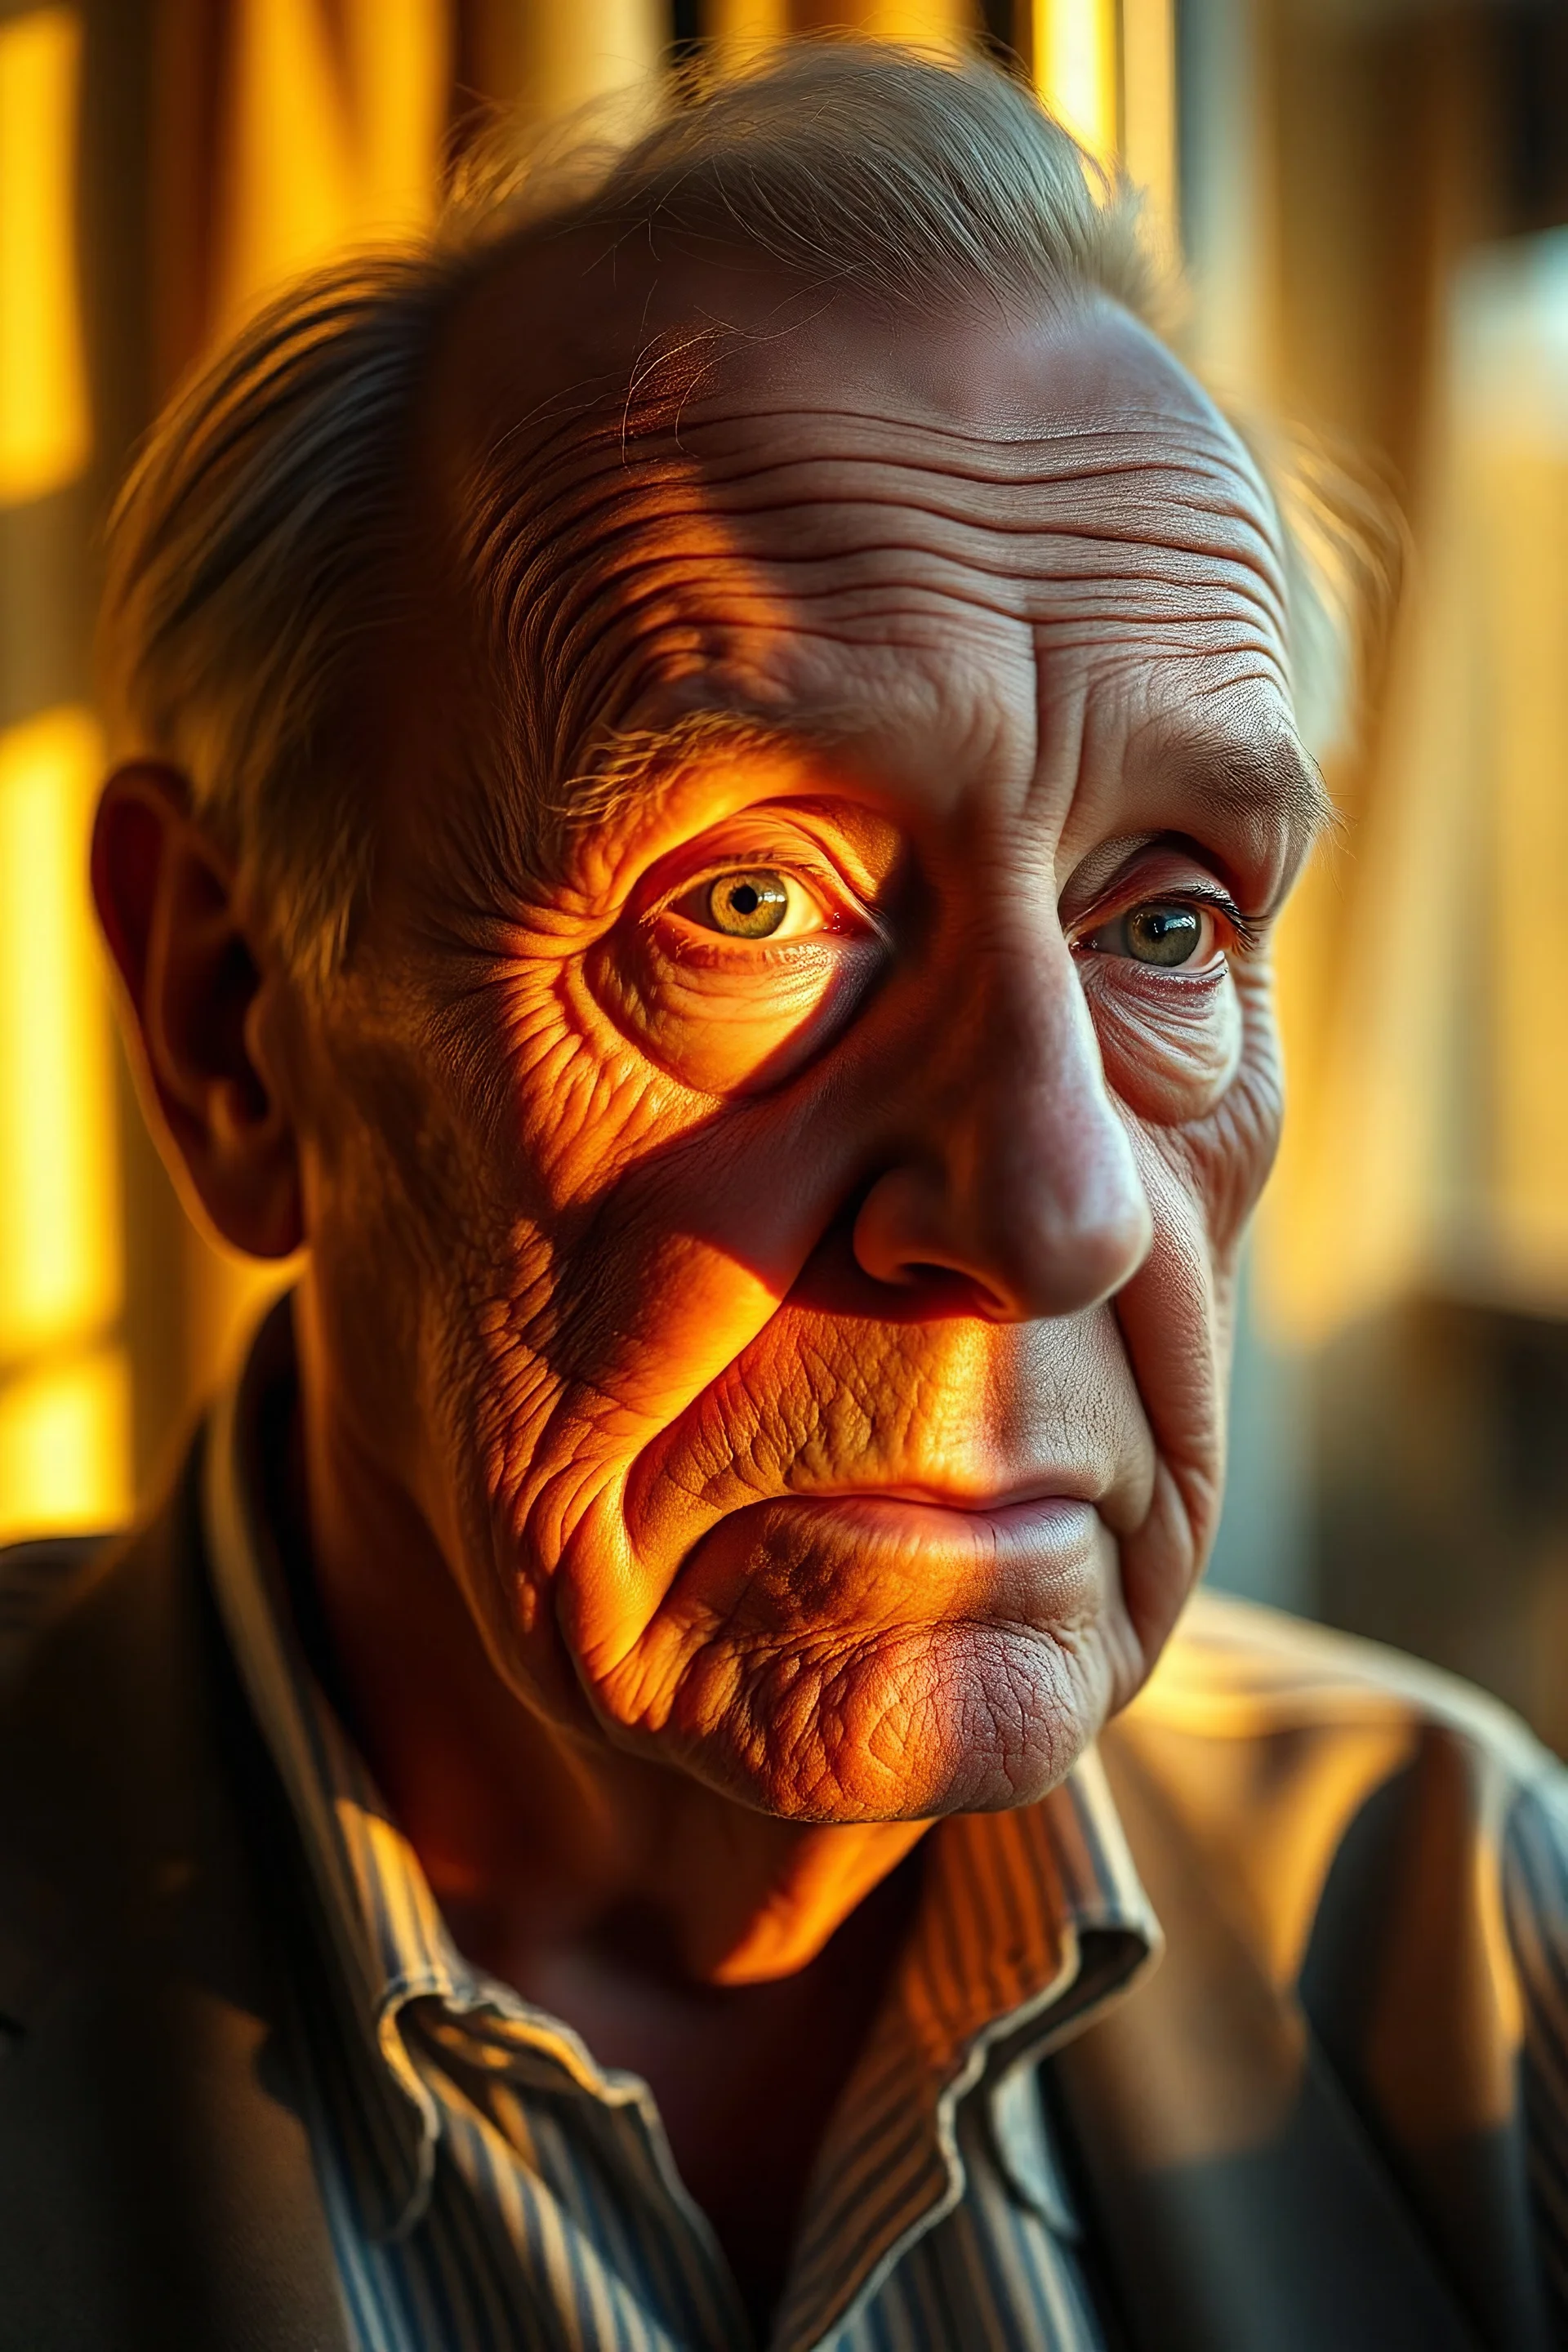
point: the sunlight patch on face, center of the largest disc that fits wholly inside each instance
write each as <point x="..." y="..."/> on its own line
<point x="795" y="1516"/>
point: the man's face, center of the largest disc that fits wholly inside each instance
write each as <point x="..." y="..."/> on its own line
<point x="786" y="1255"/>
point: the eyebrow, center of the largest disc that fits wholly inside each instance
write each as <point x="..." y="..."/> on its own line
<point x="1273" y="781"/>
<point x="634" y="763"/>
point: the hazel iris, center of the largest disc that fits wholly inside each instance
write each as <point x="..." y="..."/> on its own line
<point x="1165" y="935"/>
<point x="748" y="906"/>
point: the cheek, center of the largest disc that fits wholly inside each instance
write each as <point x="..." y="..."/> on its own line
<point x="1198" y="1069"/>
<point x="658" y="1237"/>
<point x="1171" y="1046"/>
<point x="724" y="1024"/>
<point x="1174" y="1323"/>
<point x="1202" y="1181"/>
<point x="1226" y="1153"/>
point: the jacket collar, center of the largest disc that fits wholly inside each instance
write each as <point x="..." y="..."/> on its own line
<point x="155" y="2168"/>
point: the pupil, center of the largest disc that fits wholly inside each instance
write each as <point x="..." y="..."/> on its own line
<point x="744" y="899"/>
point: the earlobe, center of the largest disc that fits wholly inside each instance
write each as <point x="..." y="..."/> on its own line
<point x="167" y="900"/>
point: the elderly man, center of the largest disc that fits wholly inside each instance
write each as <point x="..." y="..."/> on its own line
<point x="706" y="770"/>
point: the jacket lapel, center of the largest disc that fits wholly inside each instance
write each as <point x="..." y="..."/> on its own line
<point x="155" y="2174"/>
<point x="1235" y="2197"/>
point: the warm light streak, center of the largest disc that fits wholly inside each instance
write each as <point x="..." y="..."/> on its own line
<point x="738" y="30"/>
<point x="1525" y="506"/>
<point x="65" y="1414"/>
<point x="59" y="1244"/>
<point x="1149" y="107"/>
<point x="65" y="1447"/>
<point x="399" y="59"/>
<point x="1076" y="69"/>
<point x="921" y="24"/>
<point x="44" y="424"/>
<point x="361" y="159"/>
<point x="1426" y="1144"/>
<point x="589" y="50"/>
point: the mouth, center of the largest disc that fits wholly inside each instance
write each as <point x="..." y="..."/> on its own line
<point x="1059" y="1523"/>
<point x="1062" y="1504"/>
<point x="1027" y="1494"/>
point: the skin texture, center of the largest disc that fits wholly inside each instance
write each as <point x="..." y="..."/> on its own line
<point x="759" y="1395"/>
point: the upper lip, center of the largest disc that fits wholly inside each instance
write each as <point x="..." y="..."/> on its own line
<point x="1056" y="1486"/>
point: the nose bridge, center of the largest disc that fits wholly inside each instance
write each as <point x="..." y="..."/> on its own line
<point x="1032" y="1131"/>
<point x="1025" y="1179"/>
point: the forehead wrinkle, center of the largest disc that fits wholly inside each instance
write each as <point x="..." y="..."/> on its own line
<point x="658" y="644"/>
<point x="1166" y="440"/>
<point x="541" y="514"/>
<point x="1124" y="521"/>
<point x="622" y="538"/>
<point x="592" y="441"/>
<point x="569" y="528"/>
<point x="602" y="479"/>
<point x="1216" y="470"/>
<point x="1221" y="492"/>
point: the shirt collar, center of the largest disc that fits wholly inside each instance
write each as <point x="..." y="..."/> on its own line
<point x="1029" y="1922"/>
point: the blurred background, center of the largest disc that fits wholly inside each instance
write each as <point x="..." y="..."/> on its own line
<point x="1371" y="199"/>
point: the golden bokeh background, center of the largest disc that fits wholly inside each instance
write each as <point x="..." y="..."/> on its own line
<point x="1370" y="198"/>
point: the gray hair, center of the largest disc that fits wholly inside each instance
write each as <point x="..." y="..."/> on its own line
<point x="252" y="550"/>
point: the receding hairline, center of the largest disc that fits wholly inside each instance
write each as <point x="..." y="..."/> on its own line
<point x="502" y="359"/>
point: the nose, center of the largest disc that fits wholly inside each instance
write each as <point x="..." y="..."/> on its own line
<point x="1013" y="1169"/>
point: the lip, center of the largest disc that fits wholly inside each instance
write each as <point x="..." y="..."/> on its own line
<point x="865" y="1557"/>
<point x="1067" y="1491"/>
<point x="1056" y="1521"/>
<point x="1029" y="1562"/>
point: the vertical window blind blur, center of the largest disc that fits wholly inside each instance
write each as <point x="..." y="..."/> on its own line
<point x="64" y="1372"/>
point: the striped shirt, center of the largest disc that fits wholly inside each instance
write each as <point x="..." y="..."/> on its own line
<point x="1535" y="1885"/>
<point x="488" y="2185"/>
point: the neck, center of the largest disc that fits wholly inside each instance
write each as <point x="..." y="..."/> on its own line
<point x="536" y="1839"/>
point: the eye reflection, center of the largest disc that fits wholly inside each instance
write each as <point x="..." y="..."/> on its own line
<point x="1165" y="933"/>
<point x="749" y="905"/>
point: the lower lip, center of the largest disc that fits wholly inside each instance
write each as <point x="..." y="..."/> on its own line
<point x="1030" y="1564"/>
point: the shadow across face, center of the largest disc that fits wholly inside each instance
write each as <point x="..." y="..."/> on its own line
<point x="781" y="1147"/>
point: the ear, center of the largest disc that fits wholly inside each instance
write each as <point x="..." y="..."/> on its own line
<point x="167" y="900"/>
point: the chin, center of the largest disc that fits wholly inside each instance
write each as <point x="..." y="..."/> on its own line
<point x="951" y="1720"/>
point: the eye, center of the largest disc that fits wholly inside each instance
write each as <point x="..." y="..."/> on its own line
<point x="748" y="906"/>
<point x="1165" y="933"/>
<point x="752" y="902"/>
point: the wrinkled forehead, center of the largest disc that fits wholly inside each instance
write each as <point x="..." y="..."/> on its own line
<point x="680" y="365"/>
<point x="679" y="484"/>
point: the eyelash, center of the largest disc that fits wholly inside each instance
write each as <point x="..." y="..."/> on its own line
<point x="1248" y="935"/>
